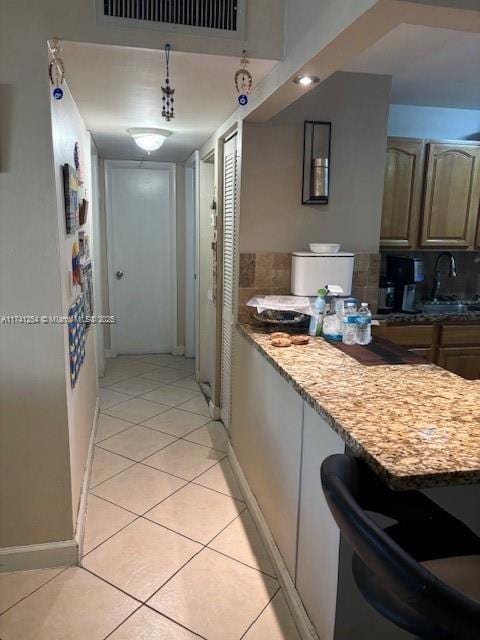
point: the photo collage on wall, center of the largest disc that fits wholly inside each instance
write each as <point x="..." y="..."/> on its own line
<point x="76" y="210"/>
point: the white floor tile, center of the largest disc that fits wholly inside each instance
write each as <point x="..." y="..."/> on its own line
<point x="137" y="442"/>
<point x="215" y="596"/>
<point x="213" y="435"/>
<point x="165" y="375"/>
<point x="184" y="459"/>
<point x="184" y="365"/>
<point x="197" y="405"/>
<point x="75" y="605"/>
<point x="108" y="426"/>
<point x="176" y="422"/>
<point x="112" y="377"/>
<point x="275" y="623"/>
<point x="196" y="512"/>
<point x="136" y="410"/>
<point x="161" y="359"/>
<point x="241" y="541"/>
<point x="18" y="584"/>
<point x="146" y="624"/>
<point x="188" y="383"/>
<point x="103" y="520"/>
<point x="221" y="478"/>
<point x="140" y="558"/>
<point x="138" y="489"/>
<point x="109" y="398"/>
<point x="171" y="395"/>
<point x="135" y="386"/>
<point x="132" y="367"/>
<point x="105" y="465"/>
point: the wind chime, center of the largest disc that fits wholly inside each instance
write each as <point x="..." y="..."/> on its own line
<point x="56" y="69"/>
<point x="243" y="80"/>
<point x="168" y="111"/>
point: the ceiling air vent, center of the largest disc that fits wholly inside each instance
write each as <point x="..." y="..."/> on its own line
<point x="213" y="17"/>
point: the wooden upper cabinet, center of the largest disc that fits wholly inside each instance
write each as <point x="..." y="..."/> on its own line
<point x="402" y="192"/>
<point x="452" y="194"/>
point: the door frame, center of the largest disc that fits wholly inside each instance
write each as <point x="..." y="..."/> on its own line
<point x="193" y="164"/>
<point x="110" y="165"/>
<point x="96" y="250"/>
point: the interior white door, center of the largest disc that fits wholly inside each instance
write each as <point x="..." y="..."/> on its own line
<point x="230" y="233"/>
<point x="142" y="259"/>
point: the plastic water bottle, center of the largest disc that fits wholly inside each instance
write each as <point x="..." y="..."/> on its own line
<point x="364" y="324"/>
<point x="318" y="311"/>
<point x="349" y="322"/>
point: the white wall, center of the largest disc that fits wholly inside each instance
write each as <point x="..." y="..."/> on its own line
<point x="411" y="121"/>
<point x="35" y="492"/>
<point x="307" y="25"/>
<point x="68" y="128"/>
<point x="271" y="216"/>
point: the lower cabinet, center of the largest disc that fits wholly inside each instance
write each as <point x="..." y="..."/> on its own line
<point x="464" y="361"/>
<point x="266" y="432"/>
<point x="318" y="535"/>
<point x="454" y="347"/>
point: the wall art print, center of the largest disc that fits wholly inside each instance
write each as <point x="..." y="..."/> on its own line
<point x="76" y="337"/>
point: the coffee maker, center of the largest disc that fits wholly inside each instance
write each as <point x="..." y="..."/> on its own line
<point x="406" y="273"/>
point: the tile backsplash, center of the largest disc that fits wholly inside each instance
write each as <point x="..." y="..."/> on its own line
<point x="270" y="274"/>
<point x="465" y="285"/>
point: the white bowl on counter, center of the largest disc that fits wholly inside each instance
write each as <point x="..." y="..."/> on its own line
<point x="322" y="247"/>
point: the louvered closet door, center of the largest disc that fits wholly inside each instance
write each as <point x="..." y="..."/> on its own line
<point x="230" y="215"/>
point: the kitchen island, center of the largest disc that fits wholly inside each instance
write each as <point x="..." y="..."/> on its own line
<point x="417" y="426"/>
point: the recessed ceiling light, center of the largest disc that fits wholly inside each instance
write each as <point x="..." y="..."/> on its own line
<point x="149" y="139"/>
<point x="305" y="80"/>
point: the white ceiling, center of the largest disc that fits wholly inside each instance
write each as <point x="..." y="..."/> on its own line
<point x="117" y="88"/>
<point x="429" y="67"/>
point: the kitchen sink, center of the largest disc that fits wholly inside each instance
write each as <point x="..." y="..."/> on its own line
<point x="453" y="306"/>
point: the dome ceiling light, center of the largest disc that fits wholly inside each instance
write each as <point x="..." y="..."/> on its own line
<point x="305" y="80"/>
<point x="149" y="139"/>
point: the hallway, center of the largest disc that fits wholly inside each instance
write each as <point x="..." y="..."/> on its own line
<point x="170" y="551"/>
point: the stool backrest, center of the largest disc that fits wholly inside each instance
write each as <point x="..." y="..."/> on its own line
<point x="455" y="615"/>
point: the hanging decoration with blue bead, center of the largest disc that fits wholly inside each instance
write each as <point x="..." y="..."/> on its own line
<point x="56" y="69"/>
<point x="168" y="111"/>
<point x="243" y="80"/>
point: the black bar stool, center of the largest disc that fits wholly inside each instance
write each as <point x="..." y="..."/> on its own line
<point x="423" y="572"/>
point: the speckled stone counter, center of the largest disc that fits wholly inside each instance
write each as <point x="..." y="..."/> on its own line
<point x="417" y="426"/>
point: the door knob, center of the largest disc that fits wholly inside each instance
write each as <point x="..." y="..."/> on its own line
<point x="119" y="275"/>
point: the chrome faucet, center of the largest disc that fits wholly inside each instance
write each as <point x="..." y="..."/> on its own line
<point x="436" y="279"/>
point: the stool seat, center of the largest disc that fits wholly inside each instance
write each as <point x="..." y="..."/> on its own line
<point x="461" y="573"/>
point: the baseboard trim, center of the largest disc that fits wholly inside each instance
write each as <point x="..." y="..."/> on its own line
<point x="82" y="507"/>
<point x="39" y="556"/>
<point x="108" y="353"/>
<point x="214" y="411"/>
<point x="178" y="351"/>
<point x="304" y="626"/>
<point x="65" y="553"/>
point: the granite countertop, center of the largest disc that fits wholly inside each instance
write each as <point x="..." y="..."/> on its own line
<point x="417" y="426"/>
<point x="428" y="318"/>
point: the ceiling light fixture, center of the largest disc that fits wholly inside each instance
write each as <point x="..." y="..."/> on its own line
<point x="306" y="81"/>
<point x="149" y="139"/>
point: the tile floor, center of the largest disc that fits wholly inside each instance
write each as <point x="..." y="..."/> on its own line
<point x="170" y="551"/>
